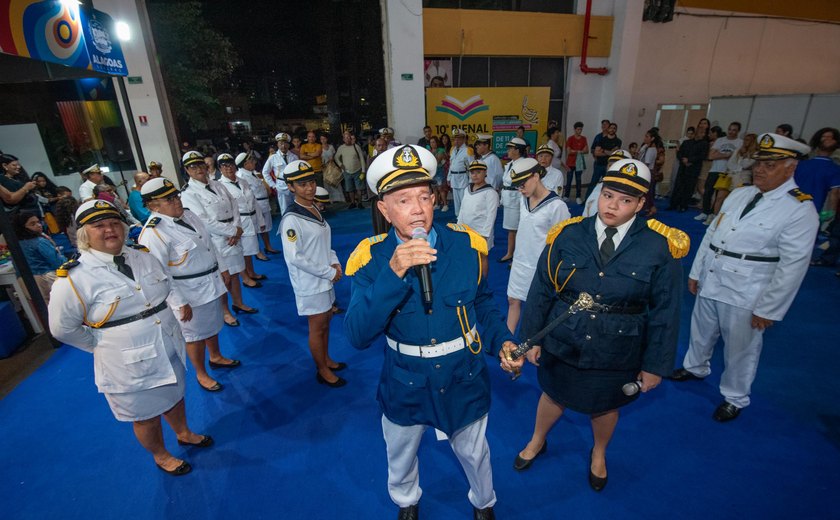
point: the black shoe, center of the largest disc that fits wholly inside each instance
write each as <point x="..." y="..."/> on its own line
<point x="726" y="412"/>
<point x="341" y="366"/>
<point x="521" y="464"/>
<point x="338" y="383"/>
<point x="234" y="324"/>
<point x="215" y="388"/>
<point x="408" y="513"/>
<point x="205" y="442"/>
<point x="503" y="259"/>
<point x="272" y="252"/>
<point x="596" y="483"/>
<point x="682" y="374"/>
<point x="183" y="469"/>
<point x="238" y="309"/>
<point x="256" y="285"/>
<point x="484" y="514"/>
<point x="260" y="276"/>
<point x="233" y="364"/>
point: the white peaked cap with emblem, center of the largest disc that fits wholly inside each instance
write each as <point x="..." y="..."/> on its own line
<point x="516" y="141"/>
<point x="387" y="130"/>
<point x="457" y="132"/>
<point x="773" y="147"/>
<point x="240" y="159"/>
<point x="282" y="136"/>
<point x="91" y="169"/>
<point x="628" y="176"/>
<point x="483" y="138"/>
<point x="298" y="171"/>
<point x="322" y="195"/>
<point x="191" y="157"/>
<point x="399" y="167"/>
<point x="157" y="188"/>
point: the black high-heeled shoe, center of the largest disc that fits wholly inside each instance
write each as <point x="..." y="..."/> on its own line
<point x="335" y="384"/>
<point x="238" y="309"/>
<point x="595" y="482"/>
<point x="260" y="276"/>
<point x="256" y="285"/>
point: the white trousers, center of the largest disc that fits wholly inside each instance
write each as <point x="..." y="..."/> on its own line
<point x="284" y="198"/>
<point x="457" y="197"/>
<point x="468" y="443"/>
<point x="742" y="344"/>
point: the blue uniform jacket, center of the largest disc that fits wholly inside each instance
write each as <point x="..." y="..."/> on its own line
<point x="641" y="272"/>
<point x="447" y="392"/>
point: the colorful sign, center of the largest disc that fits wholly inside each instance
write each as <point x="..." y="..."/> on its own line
<point x="499" y="111"/>
<point x="60" y="32"/>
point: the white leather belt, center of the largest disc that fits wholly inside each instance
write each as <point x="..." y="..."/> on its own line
<point x="431" y="351"/>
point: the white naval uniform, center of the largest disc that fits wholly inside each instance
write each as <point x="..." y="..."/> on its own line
<point x="459" y="177"/>
<point x="249" y="213"/>
<point x="273" y="174"/>
<point x="511" y="200"/>
<point x="310" y="259"/>
<point x="731" y="290"/>
<point x="185" y="253"/>
<point x="478" y="211"/>
<point x="557" y="155"/>
<point x="530" y="241"/>
<point x="553" y="180"/>
<point x="495" y="170"/>
<point x="220" y="214"/>
<point x="590" y="206"/>
<point x="86" y="191"/>
<point x="139" y="366"/>
<point x="260" y="191"/>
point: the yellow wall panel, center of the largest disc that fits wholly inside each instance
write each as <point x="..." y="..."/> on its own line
<point x="511" y="33"/>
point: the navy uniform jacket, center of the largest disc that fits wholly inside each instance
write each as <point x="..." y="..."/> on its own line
<point x="447" y="392"/>
<point x="642" y="271"/>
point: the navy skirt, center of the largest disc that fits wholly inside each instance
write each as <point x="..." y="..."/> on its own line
<point x="589" y="391"/>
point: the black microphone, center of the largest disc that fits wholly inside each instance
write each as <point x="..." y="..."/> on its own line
<point x="632" y="388"/>
<point x="424" y="274"/>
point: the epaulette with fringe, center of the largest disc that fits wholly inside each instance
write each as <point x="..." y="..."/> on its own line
<point x="64" y="269"/>
<point x="361" y="255"/>
<point x="477" y="242"/>
<point x="678" y="241"/>
<point x="557" y="228"/>
<point x="138" y="247"/>
<point x="152" y="222"/>
<point x="800" y="195"/>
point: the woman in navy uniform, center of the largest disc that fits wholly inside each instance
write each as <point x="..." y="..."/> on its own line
<point x="629" y="266"/>
<point x="434" y="373"/>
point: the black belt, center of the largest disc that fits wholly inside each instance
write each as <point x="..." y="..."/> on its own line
<point x="248" y="214"/>
<point x="143" y="315"/>
<point x="741" y="256"/>
<point x="227" y="220"/>
<point x="458" y="172"/>
<point x="197" y="275"/>
<point x="571" y="298"/>
<point x="262" y="198"/>
<point x="509" y="188"/>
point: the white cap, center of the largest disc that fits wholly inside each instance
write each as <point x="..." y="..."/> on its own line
<point x="400" y="166"/>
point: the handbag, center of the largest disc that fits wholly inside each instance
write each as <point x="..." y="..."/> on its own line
<point x="333" y="174"/>
<point x="580" y="162"/>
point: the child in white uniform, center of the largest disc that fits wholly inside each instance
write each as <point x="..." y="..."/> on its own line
<point x="480" y="203"/>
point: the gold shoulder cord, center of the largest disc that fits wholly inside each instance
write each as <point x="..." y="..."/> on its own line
<point x="84" y="308"/>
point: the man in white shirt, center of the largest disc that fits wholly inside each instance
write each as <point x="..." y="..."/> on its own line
<point x="93" y="177"/>
<point x="484" y="152"/>
<point x="720" y="152"/>
<point x="273" y="170"/>
<point x="460" y="158"/>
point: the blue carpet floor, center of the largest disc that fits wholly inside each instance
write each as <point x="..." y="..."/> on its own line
<point x="289" y="448"/>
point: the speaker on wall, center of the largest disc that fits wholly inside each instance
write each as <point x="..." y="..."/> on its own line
<point x="116" y="144"/>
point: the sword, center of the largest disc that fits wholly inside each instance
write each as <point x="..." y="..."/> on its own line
<point x="583" y="302"/>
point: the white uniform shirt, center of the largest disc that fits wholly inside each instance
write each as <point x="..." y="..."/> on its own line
<point x="530" y="240"/>
<point x="459" y="160"/>
<point x="510" y="198"/>
<point x="86" y="190"/>
<point x="273" y="170"/>
<point x="495" y="171"/>
<point x="553" y="179"/>
<point x="778" y="226"/>
<point x="590" y="207"/>
<point x="257" y="187"/>
<point x="249" y="214"/>
<point x="214" y="209"/>
<point x="478" y="211"/>
<point x="307" y="250"/>
<point x="557" y="157"/>
<point x="129" y="357"/>
<point x="182" y="252"/>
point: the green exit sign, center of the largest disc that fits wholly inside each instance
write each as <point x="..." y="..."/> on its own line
<point x="135" y="80"/>
<point x="408" y="77"/>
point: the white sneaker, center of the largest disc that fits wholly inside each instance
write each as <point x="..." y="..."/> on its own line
<point x="578" y="201"/>
<point x="701" y="216"/>
<point x="445" y="208"/>
<point x="709" y="219"/>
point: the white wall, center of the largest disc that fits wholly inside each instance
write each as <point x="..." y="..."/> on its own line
<point x="402" y="41"/>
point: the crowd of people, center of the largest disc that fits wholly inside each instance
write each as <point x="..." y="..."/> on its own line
<point x="149" y="282"/>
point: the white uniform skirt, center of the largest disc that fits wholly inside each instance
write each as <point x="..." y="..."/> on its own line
<point x="146" y="404"/>
<point x="315" y="303"/>
<point x="233" y="262"/>
<point x="206" y="321"/>
<point x="250" y="245"/>
<point x="520" y="280"/>
<point x="266" y="213"/>
<point x="510" y="215"/>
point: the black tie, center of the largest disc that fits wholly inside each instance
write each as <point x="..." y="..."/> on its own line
<point x="237" y="185"/>
<point x="285" y="160"/>
<point x="210" y="189"/>
<point x="749" y="207"/>
<point x="123" y="267"/>
<point x="608" y="246"/>
<point x="182" y="223"/>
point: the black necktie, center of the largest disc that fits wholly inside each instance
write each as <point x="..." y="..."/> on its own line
<point x="210" y="189"/>
<point x="182" y="223"/>
<point x="123" y="267"/>
<point x="236" y="184"/>
<point x="749" y="207"/>
<point x="608" y="246"/>
<point x="285" y="160"/>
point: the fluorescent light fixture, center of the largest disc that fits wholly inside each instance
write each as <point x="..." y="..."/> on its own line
<point x="123" y="31"/>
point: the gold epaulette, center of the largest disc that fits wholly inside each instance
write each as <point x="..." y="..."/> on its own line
<point x="678" y="241"/>
<point x="800" y="195"/>
<point x="139" y="247"/>
<point x="557" y="228"/>
<point x="152" y="222"/>
<point x="64" y="269"/>
<point x="477" y="242"/>
<point x="361" y="255"/>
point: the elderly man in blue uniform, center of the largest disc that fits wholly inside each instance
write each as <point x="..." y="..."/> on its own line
<point x="434" y="372"/>
<point x="748" y="270"/>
